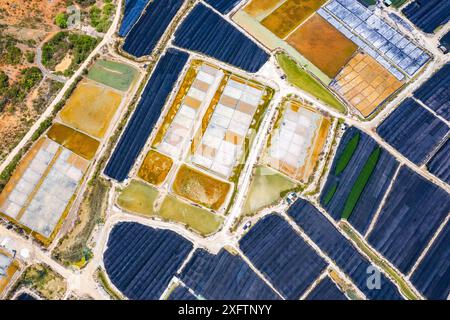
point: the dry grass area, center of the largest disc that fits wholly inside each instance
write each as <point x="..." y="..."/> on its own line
<point x="29" y="11"/>
<point x="91" y="108"/>
<point x="200" y="188"/>
<point x="289" y="15"/>
<point x="75" y="141"/>
<point x="365" y="84"/>
<point x="261" y="8"/>
<point x="155" y="167"/>
<point x="23" y="25"/>
<point x="73" y="249"/>
<point x="323" y="45"/>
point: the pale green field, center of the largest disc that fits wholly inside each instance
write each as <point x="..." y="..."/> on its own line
<point x="200" y="220"/>
<point x="116" y="75"/>
<point x="304" y="81"/>
<point x="139" y="198"/>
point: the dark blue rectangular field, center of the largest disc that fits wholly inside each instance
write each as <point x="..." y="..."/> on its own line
<point x="439" y="164"/>
<point x="435" y="92"/>
<point x="224" y="277"/>
<point x="338" y="248"/>
<point x="25" y="296"/>
<point x="341" y="181"/>
<point x="432" y="276"/>
<point x="147" y="112"/>
<point x="326" y="290"/>
<point x="131" y="14"/>
<point x="409" y="218"/>
<point x="145" y="34"/>
<point x="428" y="14"/>
<point x="181" y="293"/>
<point x="445" y="41"/>
<point x="207" y="32"/>
<point x="140" y="261"/>
<point x="413" y="131"/>
<point x="223" y="6"/>
<point x="284" y="258"/>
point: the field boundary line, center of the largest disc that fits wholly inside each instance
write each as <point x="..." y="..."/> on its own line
<point x="382" y="203"/>
<point x="428" y="247"/>
<point x="258" y="273"/>
<point x="331" y="264"/>
<point x="315" y="283"/>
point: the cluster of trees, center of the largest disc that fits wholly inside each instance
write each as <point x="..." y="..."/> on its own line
<point x="9" y="52"/>
<point x="16" y="92"/>
<point x="61" y="20"/>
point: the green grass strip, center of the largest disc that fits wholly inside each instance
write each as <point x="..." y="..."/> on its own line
<point x="304" y="81"/>
<point x="330" y="194"/>
<point x="398" y="3"/>
<point x="347" y="154"/>
<point x="360" y="183"/>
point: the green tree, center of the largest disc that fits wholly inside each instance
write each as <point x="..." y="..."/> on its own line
<point x="4" y="82"/>
<point x="61" y="20"/>
<point x="30" y="56"/>
<point x="13" y="55"/>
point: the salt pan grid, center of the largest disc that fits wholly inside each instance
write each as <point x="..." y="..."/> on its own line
<point x="386" y="45"/>
<point x="193" y="104"/>
<point x="221" y="144"/>
<point x="292" y="142"/>
<point x="44" y="190"/>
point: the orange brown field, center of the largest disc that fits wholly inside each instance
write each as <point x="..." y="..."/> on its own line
<point x="200" y="188"/>
<point x="155" y="167"/>
<point x="75" y="141"/>
<point x="90" y="108"/>
<point x="290" y="15"/>
<point x="365" y="84"/>
<point x="323" y="45"/>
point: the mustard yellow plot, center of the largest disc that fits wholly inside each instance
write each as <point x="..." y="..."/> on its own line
<point x="91" y="108"/>
<point x="200" y="188"/>
<point x="75" y="141"/>
<point x="155" y="167"/>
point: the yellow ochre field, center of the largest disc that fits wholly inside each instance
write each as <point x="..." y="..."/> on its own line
<point x="290" y="15"/>
<point x="200" y="188"/>
<point x="91" y="108"/>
